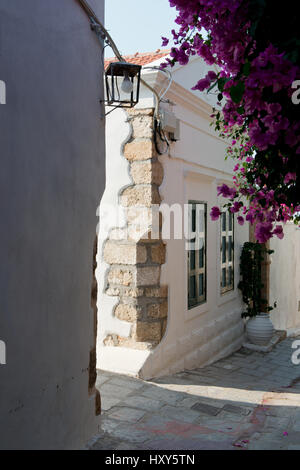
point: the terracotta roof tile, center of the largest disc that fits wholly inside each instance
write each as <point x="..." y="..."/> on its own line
<point x="140" y="58"/>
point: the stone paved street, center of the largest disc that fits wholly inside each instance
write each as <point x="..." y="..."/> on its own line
<point x="249" y="400"/>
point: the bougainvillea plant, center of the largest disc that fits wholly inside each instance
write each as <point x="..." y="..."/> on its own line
<point x="254" y="47"/>
<point x="252" y="257"/>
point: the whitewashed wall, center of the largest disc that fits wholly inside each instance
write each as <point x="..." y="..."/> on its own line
<point x="285" y="280"/>
<point x="52" y="177"/>
<point x="192" y="170"/>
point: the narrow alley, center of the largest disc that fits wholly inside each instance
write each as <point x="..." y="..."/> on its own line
<point x="249" y="400"/>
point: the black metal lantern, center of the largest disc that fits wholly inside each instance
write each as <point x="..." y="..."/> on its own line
<point x="122" y="84"/>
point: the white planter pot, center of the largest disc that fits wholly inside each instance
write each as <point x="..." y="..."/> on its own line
<point x="260" y="329"/>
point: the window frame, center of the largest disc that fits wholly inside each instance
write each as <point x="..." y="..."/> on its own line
<point x="228" y="263"/>
<point x="193" y="302"/>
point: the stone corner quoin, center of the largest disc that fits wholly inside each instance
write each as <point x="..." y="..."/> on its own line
<point x="135" y="262"/>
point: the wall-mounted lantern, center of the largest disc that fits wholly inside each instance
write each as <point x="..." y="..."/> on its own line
<point x="122" y="82"/>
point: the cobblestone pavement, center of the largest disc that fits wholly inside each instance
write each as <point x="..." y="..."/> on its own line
<point x="249" y="400"/>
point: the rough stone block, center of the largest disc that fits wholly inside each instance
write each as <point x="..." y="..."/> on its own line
<point x="140" y="195"/>
<point x="158" y="310"/>
<point x="158" y="253"/>
<point x="140" y="111"/>
<point x="147" y="276"/>
<point x="111" y="340"/>
<point x="139" y="150"/>
<point x="127" y="312"/>
<point x="119" y="253"/>
<point x="120" y="276"/>
<point x="142" y="126"/>
<point x="133" y="292"/>
<point x="150" y="214"/>
<point x="147" y="172"/>
<point x="147" y="331"/>
<point x="143" y="223"/>
<point x="161" y="291"/>
<point x="112" y="291"/>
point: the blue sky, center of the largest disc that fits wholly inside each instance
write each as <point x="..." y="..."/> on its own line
<point x="137" y="25"/>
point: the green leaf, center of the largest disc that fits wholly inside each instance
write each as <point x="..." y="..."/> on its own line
<point x="221" y="83"/>
<point x="246" y="69"/>
<point x="220" y="97"/>
<point x="212" y="86"/>
<point x="237" y="91"/>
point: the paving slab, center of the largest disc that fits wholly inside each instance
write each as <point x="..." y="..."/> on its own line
<point x="139" y="402"/>
<point x="206" y="409"/>
<point x="124" y="413"/>
<point x="249" y="400"/>
<point x="236" y="409"/>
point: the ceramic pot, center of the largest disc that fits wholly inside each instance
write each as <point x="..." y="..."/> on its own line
<point x="260" y="329"/>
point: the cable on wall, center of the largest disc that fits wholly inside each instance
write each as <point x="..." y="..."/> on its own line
<point x="103" y="35"/>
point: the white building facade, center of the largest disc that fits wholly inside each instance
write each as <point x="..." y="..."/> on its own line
<point x="194" y="292"/>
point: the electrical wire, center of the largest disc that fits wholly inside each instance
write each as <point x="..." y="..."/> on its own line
<point x="102" y="54"/>
<point x="158" y="131"/>
<point x="97" y="25"/>
<point x="164" y="71"/>
<point x="102" y="35"/>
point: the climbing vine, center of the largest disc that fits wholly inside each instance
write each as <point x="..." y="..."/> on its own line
<point x="251" y="285"/>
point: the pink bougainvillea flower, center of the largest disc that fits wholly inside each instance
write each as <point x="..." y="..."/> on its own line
<point x="226" y="192"/>
<point x="263" y="231"/>
<point x="289" y="177"/>
<point x="241" y="220"/>
<point x="278" y="231"/>
<point x="263" y="133"/>
<point x="202" y="84"/>
<point x="236" y="207"/>
<point x="211" y="75"/>
<point x="215" y="213"/>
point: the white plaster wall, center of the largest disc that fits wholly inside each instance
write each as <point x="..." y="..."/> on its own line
<point x="285" y="280"/>
<point x="112" y="215"/>
<point x="192" y="170"/>
<point x="212" y="330"/>
<point x="52" y="177"/>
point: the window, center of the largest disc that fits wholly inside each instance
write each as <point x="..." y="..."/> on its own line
<point x="227" y="251"/>
<point x="196" y="254"/>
